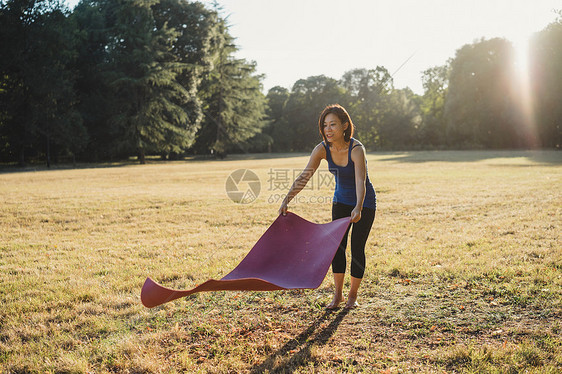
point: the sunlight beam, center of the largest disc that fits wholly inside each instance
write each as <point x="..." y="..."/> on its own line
<point x="528" y="124"/>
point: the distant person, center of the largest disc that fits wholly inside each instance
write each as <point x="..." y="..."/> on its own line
<point x="354" y="194"/>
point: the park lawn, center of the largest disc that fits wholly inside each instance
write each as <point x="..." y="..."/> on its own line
<point x="464" y="269"/>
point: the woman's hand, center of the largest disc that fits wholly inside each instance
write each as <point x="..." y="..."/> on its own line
<point x="356" y="214"/>
<point x="283" y="208"/>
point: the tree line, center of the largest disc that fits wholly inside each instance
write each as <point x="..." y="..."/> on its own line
<point x="113" y="79"/>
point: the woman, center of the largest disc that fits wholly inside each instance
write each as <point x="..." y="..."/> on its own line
<point x="354" y="194"/>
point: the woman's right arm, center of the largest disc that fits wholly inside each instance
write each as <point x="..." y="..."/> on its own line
<point x="318" y="153"/>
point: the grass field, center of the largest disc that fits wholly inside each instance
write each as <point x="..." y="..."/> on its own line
<point x="464" y="269"/>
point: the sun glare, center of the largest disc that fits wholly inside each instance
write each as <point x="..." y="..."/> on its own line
<point x="521" y="50"/>
<point x="521" y="47"/>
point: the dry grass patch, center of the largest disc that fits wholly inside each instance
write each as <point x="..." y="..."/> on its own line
<point x="464" y="270"/>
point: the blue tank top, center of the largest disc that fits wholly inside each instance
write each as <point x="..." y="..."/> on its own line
<point x="345" y="192"/>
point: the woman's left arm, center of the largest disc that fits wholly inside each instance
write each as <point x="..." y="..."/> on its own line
<point x="358" y="157"/>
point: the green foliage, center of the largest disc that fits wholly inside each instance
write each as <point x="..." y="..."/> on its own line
<point x="116" y="78"/>
<point x="233" y="104"/>
<point x="112" y="79"/>
<point x="96" y="99"/>
<point x="297" y="128"/>
<point x="481" y="103"/>
<point x="197" y="29"/>
<point x="475" y="100"/>
<point x="276" y="100"/>
<point x="142" y="75"/>
<point x="435" y="84"/>
<point x="368" y="94"/>
<point x="403" y="120"/>
<point x="37" y="79"/>
<point x="383" y="117"/>
<point x="546" y="81"/>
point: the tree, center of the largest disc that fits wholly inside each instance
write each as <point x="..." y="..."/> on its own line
<point x="368" y="93"/>
<point x="37" y="78"/>
<point x="435" y="83"/>
<point x="197" y="30"/>
<point x="143" y="73"/>
<point x="276" y="100"/>
<point x="297" y="130"/>
<point x="97" y="103"/>
<point x="546" y="84"/>
<point x="233" y="104"/>
<point x="481" y="107"/>
<point x="401" y="125"/>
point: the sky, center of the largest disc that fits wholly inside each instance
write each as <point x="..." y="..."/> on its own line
<point x="295" y="39"/>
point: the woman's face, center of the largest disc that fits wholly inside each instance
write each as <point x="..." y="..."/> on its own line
<point x="333" y="128"/>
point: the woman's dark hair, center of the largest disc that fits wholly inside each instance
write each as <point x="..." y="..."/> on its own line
<point x="344" y="117"/>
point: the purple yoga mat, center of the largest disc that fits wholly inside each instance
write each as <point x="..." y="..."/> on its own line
<point x="292" y="253"/>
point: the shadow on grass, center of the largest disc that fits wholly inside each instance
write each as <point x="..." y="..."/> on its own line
<point x="280" y="362"/>
<point x="545" y="157"/>
<point x="6" y="168"/>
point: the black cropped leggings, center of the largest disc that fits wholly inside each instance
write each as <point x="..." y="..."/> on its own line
<point x="359" y="236"/>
